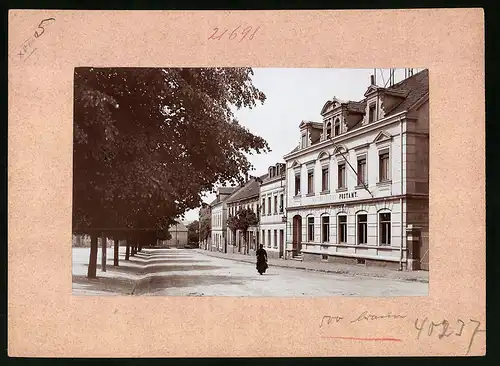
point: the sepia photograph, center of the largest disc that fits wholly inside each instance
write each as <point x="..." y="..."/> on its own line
<point x="268" y="182"/>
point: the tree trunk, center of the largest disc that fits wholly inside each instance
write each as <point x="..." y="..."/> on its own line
<point x="93" y="257"/>
<point x="104" y="252"/>
<point x="245" y="241"/>
<point x="127" y="249"/>
<point x="135" y="245"/>
<point x="117" y="249"/>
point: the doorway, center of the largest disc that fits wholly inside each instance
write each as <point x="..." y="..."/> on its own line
<point x="282" y="243"/>
<point x="297" y="234"/>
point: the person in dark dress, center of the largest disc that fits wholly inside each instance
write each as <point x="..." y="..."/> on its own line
<point x="261" y="259"/>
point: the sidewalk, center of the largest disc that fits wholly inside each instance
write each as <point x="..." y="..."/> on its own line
<point x="347" y="269"/>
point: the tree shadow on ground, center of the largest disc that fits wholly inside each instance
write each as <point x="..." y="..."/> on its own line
<point x="161" y="261"/>
<point x="156" y="283"/>
<point x="107" y="284"/>
<point x="144" y="270"/>
<point x="146" y="258"/>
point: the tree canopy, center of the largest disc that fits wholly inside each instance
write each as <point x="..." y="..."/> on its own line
<point x="242" y="220"/>
<point x="149" y="141"/>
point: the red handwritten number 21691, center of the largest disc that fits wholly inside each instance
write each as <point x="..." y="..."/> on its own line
<point x="236" y="33"/>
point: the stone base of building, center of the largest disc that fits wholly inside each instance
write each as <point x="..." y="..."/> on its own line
<point x="309" y="257"/>
<point x="272" y="254"/>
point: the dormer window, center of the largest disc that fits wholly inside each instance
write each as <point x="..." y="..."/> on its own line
<point x="329" y="129"/>
<point x="304" y="140"/>
<point x="336" y="127"/>
<point x="371" y="113"/>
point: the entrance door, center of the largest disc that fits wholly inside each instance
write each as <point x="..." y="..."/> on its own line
<point x="297" y="234"/>
<point x="282" y="242"/>
<point x="424" y="251"/>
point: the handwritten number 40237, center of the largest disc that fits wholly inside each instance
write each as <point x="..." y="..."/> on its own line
<point x="235" y="34"/>
<point x="444" y="329"/>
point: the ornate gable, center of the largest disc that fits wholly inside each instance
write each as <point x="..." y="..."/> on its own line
<point x="382" y="137"/>
<point x="323" y="155"/>
<point x="371" y="89"/>
<point x="330" y="105"/>
<point x="339" y="150"/>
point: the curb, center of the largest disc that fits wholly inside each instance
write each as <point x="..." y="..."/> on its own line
<point x="343" y="272"/>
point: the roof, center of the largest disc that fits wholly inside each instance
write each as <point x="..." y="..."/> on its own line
<point x="356" y="107"/>
<point x="249" y="190"/>
<point x="416" y="87"/>
<point x="311" y="123"/>
<point x="178" y="226"/>
<point x="226" y="189"/>
<point x="295" y="149"/>
<point x="267" y="179"/>
<point x="223" y="190"/>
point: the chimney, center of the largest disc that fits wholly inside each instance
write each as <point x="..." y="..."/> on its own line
<point x="372" y="79"/>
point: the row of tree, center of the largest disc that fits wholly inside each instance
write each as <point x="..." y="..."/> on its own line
<point x="148" y="142"/>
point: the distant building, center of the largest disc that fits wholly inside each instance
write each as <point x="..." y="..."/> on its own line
<point x="204" y="218"/>
<point x="219" y="217"/>
<point x="359" y="180"/>
<point x="245" y="197"/>
<point x="272" y="211"/>
<point x="179" y="239"/>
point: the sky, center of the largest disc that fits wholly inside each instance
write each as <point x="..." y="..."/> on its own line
<point x="294" y="95"/>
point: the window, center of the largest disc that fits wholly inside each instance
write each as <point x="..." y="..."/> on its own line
<point x="324" y="179"/>
<point x="269" y="238"/>
<point x="268" y="205"/>
<point x="263" y="206"/>
<point x="371" y="113"/>
<point x="275" y="239"/>
<point x="362" y="170"/>
<point x="336" y="131"/>
<point x="263" y="237"/>
<point x="362" y="229"/>
<point x="297" y="184"/>
<point x="281" y="203"/>
<point x="325" y="229"/>
<point x="310" y="182"/>
<point x="342" y="183"/>
<point x="329" y="130"/>
<point x="383" y="163"/>
<point x="342" y="229"/>
<point x="304" y="141"/>
<point x="275" y="204"/>
<point x="310" y="229"/>
<point x="385" y="228"/>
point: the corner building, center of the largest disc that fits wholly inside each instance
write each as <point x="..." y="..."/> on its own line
<point x="358" y="183"/>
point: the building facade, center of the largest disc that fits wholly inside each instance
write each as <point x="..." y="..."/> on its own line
<point x="272" y="211"/>
<point x="359" y="179"/>
<point x="219" y="217"/>
<point x="205" y="226"/>
<point x="246" y="197"/>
